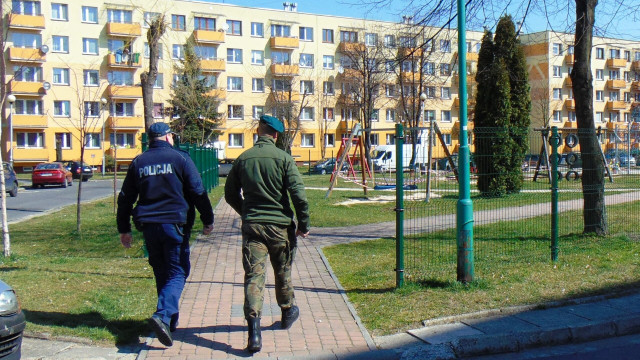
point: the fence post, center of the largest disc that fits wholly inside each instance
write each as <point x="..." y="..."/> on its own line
<point x="555" y="141"/>
<point x="399" y="207"/>
<point x="144" y="142"/>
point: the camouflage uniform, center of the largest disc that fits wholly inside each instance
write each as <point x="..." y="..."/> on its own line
<point x="258" y="188"/>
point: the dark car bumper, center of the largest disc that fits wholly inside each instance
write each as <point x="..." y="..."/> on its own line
<point x="11" y="329"/>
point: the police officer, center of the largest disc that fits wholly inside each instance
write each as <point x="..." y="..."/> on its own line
<point x="165" y="183"/>
<point x="258" y="188"/>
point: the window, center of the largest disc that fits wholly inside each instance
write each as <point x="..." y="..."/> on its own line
<point x="123" y="140"/>
<point x="447" y="139"/>
<point x="258" y="111"/>
<point x="445" y="116"/>
<point x="570" y="94"/>
<point x="614" y="74"/>
<point x="614" y="117"/>
<point x="599" y="74"/>
<point x="391" y="139"/>
<point x="236" y="112"/>
<point x="90" y="14"/>
<point x="177" y="52"/>
<point x="306" y="87"/>
<point x="306" y="33"/>
<point x="61" y="108"/>
<point x="119" y="16"/>
<point x="27" y="41"/>
<point x="147" y="54"/>
<point x="91" y="109"/>
<point x="328" y="61"/>
<point x="235" y="27"/>
<point x="614" y="53"/>
<point x="557" y="116"/>
<point x="627" y="55"/>
<point x="178" y="22"/>
<point x="429" y="68"/>
<point x="557" y="94"/>
<point x="92" y="141"/>
<point x="202" y="23"/>
<point x="306" y="113"/>
<point x="118" y="46"/>
<point x="328" y="88"/>
<point x="306" y="60"/>
<point x="614" y="96"/>
<point x="445" y="92"/>
<point x="27" y="73"/>
<point x="599" y="53"/>
<point x="636" y="55"/>
<point x="30" y="140"/>
<point x="329" y="140"/>
<point x="430" y="91"/>
<point x="348" y="114"/>
<point x="627" y="76"/>
<point x="234" y="83"/>
<point x="281" y="85"/>
<point x="60" y="44"/>
<point x="307" y="140"/>
<point x="445" y="69"/>
<point x="257" y="57"/>
<point x="158" y="110"/>
<point x="599" y="116"/>
<point x="64" y="139"/>
<point x="572" y="116"/>
<point x="389" y="41"/>
<point x="570" y="49"/>
<point x="627" y="97"/>
<point x="391" y="115"/>
<point x="25" y="7"/>
<point x="374" y="139"/>
<point x="149" y="17"/>
<point x="89" y="46"/>
<point x="280" y="57"/>
<point x="557" y="49"/>
<point x="375" y="115"/>
<point x="370" y="39"/>
<point x="28" y="107"/>
<point x="557" y="71"/>
<point x="234" y="56"/>
<point x="327" y="114"/>
<point x="390" y="90"/>
<point x="60" y="76"/>
<point x="327" y="36"/>
<point x="390" y="66"/>
<point x="407" y="41"/>
<point x="257" y="85"/>
<point x="445" y="46"/>
<point x="236" y="140"/>
<point x="257" y="29"/>
<point x="430" y="115"/>
<point x="349" y="36"/>
<point x="159" y="83"/>
<point x="91" y="77"/>
<point x="59" y="12"/>
<point x="599" y="95"/>
<point x="121" y="78"/>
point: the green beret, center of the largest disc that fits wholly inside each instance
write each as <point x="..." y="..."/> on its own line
<point x="273" y="122"/>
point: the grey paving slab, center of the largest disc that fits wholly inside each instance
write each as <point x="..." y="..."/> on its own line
<point x="439" y="334"/>
<point x="551" y="318"/>
<point x="595" y="311"/>
<point x="629" y="304"/>
<point x="500" y="325"/>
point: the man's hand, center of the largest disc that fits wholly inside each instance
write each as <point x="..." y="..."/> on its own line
<point x="207" y="229"/>
<point x="126" y="240"/>
<point x="300" y="233"/>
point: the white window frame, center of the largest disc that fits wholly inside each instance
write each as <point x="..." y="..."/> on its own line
<point x="86" y="75"/>
<point x="306" y="33"/>
<point x="307" y="113"/>
<point x="390" y="115"/>
<point x="257" y="57"/>
<point x="88" y="44"/>
<point x="65" y="140"/>
<point x="329" y="140"/>
<point x="62" y="11"/>
<point x="257" y="29"/>
<point x="235" y="112"/>
<point x="234" y="56"/>
<point x="557" y="116"/>
<point x="60" y="44"/>
<point x="257" y="111"/>
<point x="90" y="14"/>
<point x="60" y="76"/>
<point x="307" y="140"/>
<point x="445" y="92"/>
<point x="234" y="83"/>
<point x="92" y="141"/>
<point x="307" y="87"/>
<point x="177" y="51"/>
<point x="236" y="140"/>
<point x="557" y="71"/>
<point x="30" y="140"/>
<point x="328" y="62"/>
<point x="306" y="60"/>
<point x="445" y="116"/>
<point x="257" y="85"/>
<point x="328" y="114"/>
<point x="325" y="87"/>
<point x="557" y="94"/>
<point x="61" y="108"/>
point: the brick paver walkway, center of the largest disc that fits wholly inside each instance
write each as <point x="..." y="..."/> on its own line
<point x="212" y="324"/>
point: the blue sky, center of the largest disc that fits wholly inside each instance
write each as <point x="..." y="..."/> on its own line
<point x="626" y="24"/>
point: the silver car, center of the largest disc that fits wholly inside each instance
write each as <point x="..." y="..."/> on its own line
<point x="12" y="323"/>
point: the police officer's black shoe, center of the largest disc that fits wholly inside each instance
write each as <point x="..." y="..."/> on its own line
<point x="255" y="337"/>
<point x="173" y="325"/>
<point x="289" y="316"/>
<point x="162" y="330"/>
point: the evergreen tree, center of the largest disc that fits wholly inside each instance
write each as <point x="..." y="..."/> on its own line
<point x="194" y="102"/>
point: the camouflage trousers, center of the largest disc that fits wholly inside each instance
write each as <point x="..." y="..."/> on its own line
<point x="260" y="241"/>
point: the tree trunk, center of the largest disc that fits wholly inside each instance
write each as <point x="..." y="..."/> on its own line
<point x="6" y="241"/>
<point x="595" y="219"/>
<point x="148" y="78"/>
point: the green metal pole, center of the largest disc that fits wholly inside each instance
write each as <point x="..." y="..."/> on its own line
<point x="399" y="207"/>
<point x="555" y="140"/>
<point x="464" y="206"/>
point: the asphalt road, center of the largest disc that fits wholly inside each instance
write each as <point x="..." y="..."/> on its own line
<point x="34" y="202"/>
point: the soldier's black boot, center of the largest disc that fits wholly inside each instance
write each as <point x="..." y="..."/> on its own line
<point x="255" y="338"/>
<point x="289" y="316"/>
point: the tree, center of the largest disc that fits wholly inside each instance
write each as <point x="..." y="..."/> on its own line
<point x="148" y="78"/>
<point x="194" y="101"/>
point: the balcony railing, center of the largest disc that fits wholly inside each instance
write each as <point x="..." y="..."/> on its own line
<point x="284" y="70"/>
<point x="29" y="121"/>
<point x="616" y="105"/>
<point x="281" y="42"/>
<point x="616" y="84"/>
<point x="570" y="104"/>
<point x="220" y="93"/>
<point x="37" y="155"/>
<point x="123" y="30"/>
<point x="26" y="55"/>
<point x="407" y="52"/>
<point x="119" y="61"/>
<point x="635" y="66"/>
<point x="124" y="91"/>
<point x="208" y="36"/>
<point x="285" y="96"/>
<point x="213" y="65"/>
<point x="26" y="88"/>
<point x="616" y="63"/>
<point x="124" y="153"/>
<point x="350" y="47"/>
<point x="125" y="122"/>
<point x="569" y="59"/>
<point x="26" y="22"/>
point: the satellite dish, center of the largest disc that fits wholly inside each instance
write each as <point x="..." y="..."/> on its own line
<point x="46" y="85"/>
<point x="44" y="49"/>
<point x="225" y="27"/>
<point x="340" y="69"/>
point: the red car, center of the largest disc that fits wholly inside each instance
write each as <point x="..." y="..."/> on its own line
<point x="51" y="174"/>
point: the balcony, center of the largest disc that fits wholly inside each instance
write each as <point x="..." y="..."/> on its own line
<point x="285" y="96"/>
<point x="616" y="126"/>
<point x="220" y="93"/>
<point x="347" y="100"/>
<point x="635" y="66"/>
<point x="26" y="88"/>
<point x="26" y="55"/>
<point x="26" y="22"/>
<point x="118" y="61"/>
<point x="456" y="102"/>
<point x="213" y="65"/>
<point x="410" y="77"/>
<point x="125" y="122"/>
<point x="350" y="47"/>
<point x="281" y="42"/>
<point x="284" y="70"/>
<point x="472" y="56"/>
<point x="568" y="82"/>
<point x="616" y="84"/>
<point x="569" y="59"/>
<point x="405" y="52"/>
<point x="616" y="105"/>
<point x="616" y="63"/>
<point x="351" y="73"/>
<point x="123" y="30"/>
<point x="29" y="121"/>
<point x="124" y="92"/>
<point x="208" y="36"/>
<point x="635" y="85"/>
<point x="570" y="124"/>
<point x="124" y="153"/>
<point x="570" y="104"/>
<point x="30" y="155"/>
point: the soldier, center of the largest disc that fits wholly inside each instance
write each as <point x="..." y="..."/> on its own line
<point x="258" y="188"/>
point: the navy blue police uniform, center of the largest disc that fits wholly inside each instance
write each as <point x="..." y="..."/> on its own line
<point x="166" y="185"/>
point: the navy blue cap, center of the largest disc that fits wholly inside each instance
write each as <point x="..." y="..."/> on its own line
<point x="273" y="122"/>
<point x="158" y="129"/>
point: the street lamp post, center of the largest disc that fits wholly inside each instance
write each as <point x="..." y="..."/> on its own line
<point x="104" y="107"/>
<point x="11" y="99"/>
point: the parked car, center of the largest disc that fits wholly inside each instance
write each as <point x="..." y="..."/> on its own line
<point x="620" y="156"/>
<point x="12" y="323"/>
<point x="326" y="166"/>
<point x="626" y="160"/>
<point x="10" y="180"/>
<point x="53" y="173"/>
<point x="74" y="167"/>
<point x="224" y="168"/>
